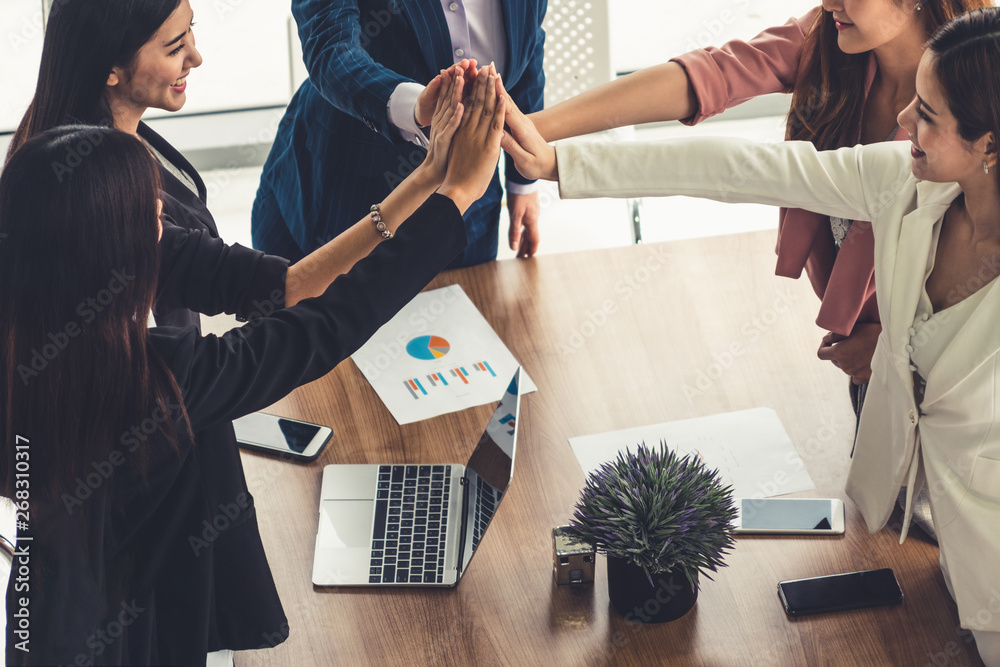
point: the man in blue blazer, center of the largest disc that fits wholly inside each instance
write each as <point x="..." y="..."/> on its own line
<point x="355" y="128"/>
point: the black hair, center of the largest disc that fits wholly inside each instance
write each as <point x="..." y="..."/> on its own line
<point x="84" y="40"/>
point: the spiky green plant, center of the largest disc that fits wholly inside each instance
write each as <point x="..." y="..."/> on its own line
<point x="658" y="511"/>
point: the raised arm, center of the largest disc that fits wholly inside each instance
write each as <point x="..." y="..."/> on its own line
<point x="853" y="183"/>
<point x="311" y="275"/>
<point x="203" y="274"/>
<point x="658" y="93"/>
<point x="529" y="93"/>
<point x="249" y="368"/>
<point x="689" y="88"/>
<point x="339" y="66"/>
<point x="206" y="275"/>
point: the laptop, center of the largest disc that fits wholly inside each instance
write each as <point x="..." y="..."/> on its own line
<point x="414" y="525"/>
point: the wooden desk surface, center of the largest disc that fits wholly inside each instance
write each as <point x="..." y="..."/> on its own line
<point x="613" y="338"/>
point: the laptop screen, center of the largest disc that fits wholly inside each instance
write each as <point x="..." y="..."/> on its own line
<point x="489" y="470"/>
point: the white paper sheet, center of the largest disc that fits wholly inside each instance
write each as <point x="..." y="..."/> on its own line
<point x="437" y="355"/>
<point x="749" y="448"/>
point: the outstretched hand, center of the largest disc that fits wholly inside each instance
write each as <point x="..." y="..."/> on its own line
<point x="475" y="148"/>
<point x="533" y="157"/>
<point x="428" y="99"/>
<point x="446" y="120"/>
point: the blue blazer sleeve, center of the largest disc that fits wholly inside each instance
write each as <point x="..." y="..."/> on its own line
<point x="338" y="65"/>
<point x="529" y="92"/>
<point x="222" y="378"/>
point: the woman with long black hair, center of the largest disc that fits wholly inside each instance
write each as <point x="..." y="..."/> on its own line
<point x="106" y="62"/>
<point x="113" y="574"/>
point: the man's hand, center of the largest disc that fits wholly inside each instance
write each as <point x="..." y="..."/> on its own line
<point x="524" y="233"/>
<point x="852" y="354"/>
<point x="427" y="100"/>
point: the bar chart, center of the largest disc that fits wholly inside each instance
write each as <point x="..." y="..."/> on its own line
<point x="451" y="378"/>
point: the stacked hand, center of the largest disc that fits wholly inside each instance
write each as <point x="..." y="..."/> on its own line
<point x="446" y="120"/>
<point x="533" y="157"/>
<point x="523" y="209"/>
<point x="475" y="147"/>
<point x="427" y="102"/>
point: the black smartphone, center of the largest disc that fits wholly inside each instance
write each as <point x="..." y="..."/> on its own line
<point x="840" y="592"/>
<point x="290" y="438"/>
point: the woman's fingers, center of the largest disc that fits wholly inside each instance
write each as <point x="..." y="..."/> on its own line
<point x="490" y="101"/>
<point x="479" y="97"/>
<point x="522" y="128"/>
<point x="496" y="127"/>
<point x="471" y="69"/>
<point x="451" y="123"/>
<point x="444" y="93"/>
<point x="522" y="158"/>
<point x="474" y="102"/>
<point x="458" y="87"/>
<point x="444" y="113"/>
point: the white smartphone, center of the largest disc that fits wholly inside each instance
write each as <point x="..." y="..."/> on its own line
<point x="803" y="516"/>
<point x="290" y="438"/>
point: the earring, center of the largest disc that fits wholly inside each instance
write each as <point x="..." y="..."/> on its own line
<point x="986" y="167"/>
<point x="919" y="6"/>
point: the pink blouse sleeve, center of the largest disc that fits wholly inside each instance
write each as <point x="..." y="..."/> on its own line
<point x="728" y="76"/>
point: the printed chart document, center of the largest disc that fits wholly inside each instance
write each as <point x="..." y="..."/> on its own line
<point x="437" y="355"/>
<point x="750" y="449"/>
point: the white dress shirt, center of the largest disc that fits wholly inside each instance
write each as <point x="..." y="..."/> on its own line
<point x="477" y="32"/>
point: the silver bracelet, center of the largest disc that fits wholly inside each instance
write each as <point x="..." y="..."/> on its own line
<point x="379" y="225"/>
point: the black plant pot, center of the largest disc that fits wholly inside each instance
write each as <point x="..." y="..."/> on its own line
<point x="669" y="598"/>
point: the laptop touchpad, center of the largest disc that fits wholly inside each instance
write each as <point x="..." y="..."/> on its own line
<point x="346" y="524"/>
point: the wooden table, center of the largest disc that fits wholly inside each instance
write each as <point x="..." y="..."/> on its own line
<point x="613" y="338"/>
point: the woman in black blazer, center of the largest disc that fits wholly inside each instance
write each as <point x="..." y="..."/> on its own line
<point x="106" y="62"/>
<point x="117" y="562"/>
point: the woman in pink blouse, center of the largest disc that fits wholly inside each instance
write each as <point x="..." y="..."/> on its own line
<point x="850" y="66"/>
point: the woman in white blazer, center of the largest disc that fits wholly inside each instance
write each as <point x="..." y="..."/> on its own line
<point x="932" y="416"/>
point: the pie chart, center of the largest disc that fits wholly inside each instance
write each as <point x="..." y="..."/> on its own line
<point x="428" y="348"/>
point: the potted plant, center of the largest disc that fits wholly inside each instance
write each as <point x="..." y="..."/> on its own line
<point x="661" y="520"/>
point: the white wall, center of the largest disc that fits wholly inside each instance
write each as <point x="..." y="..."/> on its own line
<point x="20" y="51"/>
<point x="245" y="44"/>
<point x="645" y="32"/>
<point x="245" y="47"/>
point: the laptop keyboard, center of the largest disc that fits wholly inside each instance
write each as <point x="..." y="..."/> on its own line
<point x="411" y="516"/>
<point x="486" y="504"/>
